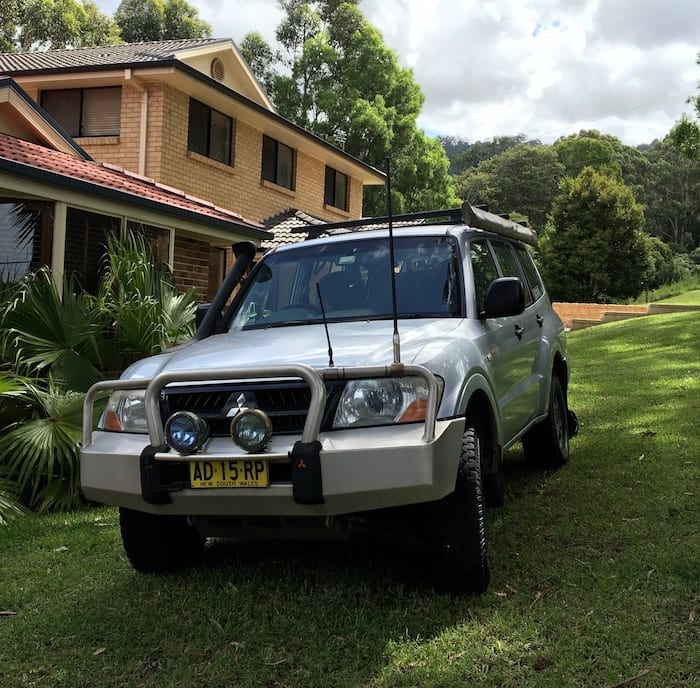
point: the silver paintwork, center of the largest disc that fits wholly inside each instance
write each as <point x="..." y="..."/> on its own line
<point x="363" y="468"/>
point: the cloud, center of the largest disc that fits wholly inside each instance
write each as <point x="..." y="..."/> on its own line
<point x="545" y="68"/>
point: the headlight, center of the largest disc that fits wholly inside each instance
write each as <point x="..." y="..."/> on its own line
<point x="125" y="412"/>
<point x="383" y="401"/>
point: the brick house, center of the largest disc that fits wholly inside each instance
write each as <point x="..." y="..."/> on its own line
<point x="57" y="207"/>
<point x="190" y="115"/>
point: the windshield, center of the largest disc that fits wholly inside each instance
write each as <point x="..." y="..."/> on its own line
<point x="352" y="280"/>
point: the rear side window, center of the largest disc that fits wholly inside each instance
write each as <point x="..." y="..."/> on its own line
<point x="510" y="267"/>
<point x="530" y="271"/>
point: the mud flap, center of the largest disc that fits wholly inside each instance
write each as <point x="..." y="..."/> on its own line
<point x="307" y="483"/>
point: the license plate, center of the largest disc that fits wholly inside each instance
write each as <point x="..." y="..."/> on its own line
<point x="233" y="473"/>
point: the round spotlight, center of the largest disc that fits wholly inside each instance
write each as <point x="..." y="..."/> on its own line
<point x="185" y="432"/>
<point x="251" y="430"/>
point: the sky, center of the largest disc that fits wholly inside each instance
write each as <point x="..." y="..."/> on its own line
<point x="543" y="68"/>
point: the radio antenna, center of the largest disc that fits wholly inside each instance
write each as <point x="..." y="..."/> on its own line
<point x="394" y="309"/>
<point x="325" y="325"/>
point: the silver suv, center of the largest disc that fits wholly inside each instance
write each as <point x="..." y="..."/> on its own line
<point x="368" y="378"/>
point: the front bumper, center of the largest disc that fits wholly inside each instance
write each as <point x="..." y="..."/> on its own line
<point x="361" y="469"/>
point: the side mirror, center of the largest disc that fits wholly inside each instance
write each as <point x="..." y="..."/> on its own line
<point x="504" y="297"/>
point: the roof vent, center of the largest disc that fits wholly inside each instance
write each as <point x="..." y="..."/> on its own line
<point x="217" y="69"/>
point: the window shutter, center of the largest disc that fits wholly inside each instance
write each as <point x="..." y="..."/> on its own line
<point x="101" y="111"/>
<point x="64" y="107"/>
<point x="269" y="157"/>
<point x="198" y="130"/>
<point x="329" y="193"/>
<point x="220" y="140"/>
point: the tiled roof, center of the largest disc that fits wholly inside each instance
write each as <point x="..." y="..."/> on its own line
<point x="62" y="169"/>
<point x="294" y="226"/>
<point x="362" y="226"/>
<point x="104" y="56"/>
<point x="289" y="227"/>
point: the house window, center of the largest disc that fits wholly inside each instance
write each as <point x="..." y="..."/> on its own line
<point x="85" y="111"/>
<point x="278" y="163"/>
<point x="87" y="235"/>
<point x="157" y="237"/>
<point x="209" y="132"/>
<point x="336" y="193"/>
<point x="26" y="232"/>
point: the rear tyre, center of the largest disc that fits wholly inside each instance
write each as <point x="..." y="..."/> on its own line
<point x="457" y="532"/>
<point x="547" y="444"/>
<point x="159" y="544"/>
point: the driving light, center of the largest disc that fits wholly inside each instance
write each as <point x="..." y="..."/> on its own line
<point x="185" y="432"/>
<point x="251" y="430"/>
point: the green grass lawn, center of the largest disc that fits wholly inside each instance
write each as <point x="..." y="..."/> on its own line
<point x="596" y="571"/>
<point x="688" y="298"/>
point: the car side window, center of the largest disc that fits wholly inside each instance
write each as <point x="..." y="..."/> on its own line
<point x="484" y="270"/>
<point x="510" y="266"/>
<point x="530" y="271"/>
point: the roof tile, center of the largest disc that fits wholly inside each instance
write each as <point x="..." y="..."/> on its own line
<point x="101" y="56"/>
<point x="65" y="167"/>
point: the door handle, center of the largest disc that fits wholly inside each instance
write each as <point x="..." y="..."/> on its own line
<point x="519" y="331"/>
<point x="540" y="320"/>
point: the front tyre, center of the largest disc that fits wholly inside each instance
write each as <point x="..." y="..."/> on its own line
<point x="547" y="444"/>
<point x="159" y="544"/>
<point x="457" y="531"/>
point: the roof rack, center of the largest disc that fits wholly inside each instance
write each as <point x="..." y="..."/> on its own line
<point x="472" y="216"/>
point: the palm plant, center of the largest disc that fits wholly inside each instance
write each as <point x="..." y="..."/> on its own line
<point x="39" y="455"/>
<point x="65" y="344"/>
<point x="10" y="505"/>
<point x="138" y="292"/>
<point x="45" y="335"/>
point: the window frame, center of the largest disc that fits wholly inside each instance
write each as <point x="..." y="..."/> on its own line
<point x="532" y="275"/>
<point x="205" y="147"/>
<point x="79" y="127"/>
<point x="271" y="169"/>
<point x="331" y="188"/>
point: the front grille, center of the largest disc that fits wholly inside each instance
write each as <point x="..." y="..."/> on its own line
<point x="286" y="404"/>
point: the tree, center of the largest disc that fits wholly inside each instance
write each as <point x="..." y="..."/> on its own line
<point x="685" y="135"/>
<point x="671" y="194"/>
<point x="584" y="150"/>
<point x="260" y="59"/>
<point x="594" y="248"/>
<point x="181" y="20"/>
<point x="156" y="20"/>
<point x="53" y="24"/>
<point x="470" y="155"/>
<point x="334" y="76"/>
<point x="522" y="180"/>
